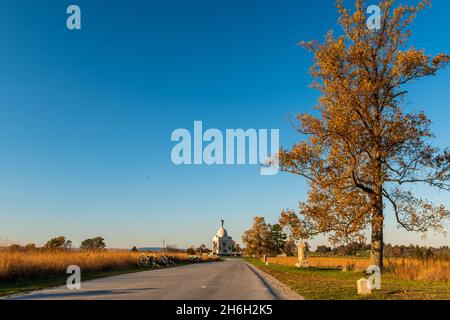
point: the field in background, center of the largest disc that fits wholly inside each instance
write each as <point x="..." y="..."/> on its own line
<point x="402" y="268"/>
<point x="36" y="264"/>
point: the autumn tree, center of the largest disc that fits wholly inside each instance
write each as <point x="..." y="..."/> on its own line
<point x="94" y="244"/>
<point x="58" y="243"/>
<point x="202" y="249"/>
<point x="236" y="248"/>
<point x="257" y="239"/>
<point x="30" y="247"/>
<point x="323" y="249"/>
<point x="362" y="149"/>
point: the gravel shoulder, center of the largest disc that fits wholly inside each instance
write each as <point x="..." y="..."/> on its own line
<point x="277" y="288"/>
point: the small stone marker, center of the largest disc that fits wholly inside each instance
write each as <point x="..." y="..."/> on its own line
<point x="364" y="286"/>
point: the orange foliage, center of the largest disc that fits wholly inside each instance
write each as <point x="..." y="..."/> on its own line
<point x="362" y="150"/>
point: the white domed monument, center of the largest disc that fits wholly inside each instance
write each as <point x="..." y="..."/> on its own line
<point x="222" y="244"/>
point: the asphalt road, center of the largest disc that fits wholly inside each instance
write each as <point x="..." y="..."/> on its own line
<point x="231" y="279"/>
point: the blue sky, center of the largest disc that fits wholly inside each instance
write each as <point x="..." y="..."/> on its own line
<point x="86" y="116"/>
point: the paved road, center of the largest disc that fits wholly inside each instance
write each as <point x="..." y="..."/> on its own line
<point x="231" y="279"/>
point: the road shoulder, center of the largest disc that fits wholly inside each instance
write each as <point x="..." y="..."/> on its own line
<point x="278" y="289"/>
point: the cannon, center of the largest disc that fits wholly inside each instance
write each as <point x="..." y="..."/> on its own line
<point x="147" y="260"/>
<point x="165" y="261"/>
<point x="153" y="261"/>
<point x="194" y="259"/>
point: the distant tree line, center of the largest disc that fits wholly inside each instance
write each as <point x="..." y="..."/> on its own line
<point x="62" y="243"/>
<point x="390" y="251"/>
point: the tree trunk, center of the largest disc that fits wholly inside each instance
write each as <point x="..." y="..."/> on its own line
<point x="376" y="248"/>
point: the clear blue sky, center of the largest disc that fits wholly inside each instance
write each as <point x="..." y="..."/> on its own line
<point x="86" y="116"/>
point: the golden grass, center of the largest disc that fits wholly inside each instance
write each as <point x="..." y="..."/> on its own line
<point x="402" y="268"/>
<point x="37" y="264"/>
<point x="415" y="269"/>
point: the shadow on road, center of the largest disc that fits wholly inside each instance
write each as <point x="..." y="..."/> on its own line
<point x="79" y="293"/>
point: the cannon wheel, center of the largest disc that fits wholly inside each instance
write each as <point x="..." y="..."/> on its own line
<point x="142" y="260"/>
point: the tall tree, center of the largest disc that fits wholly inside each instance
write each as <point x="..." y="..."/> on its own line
<point x="363" y="149"/>
<point x="257" y="238"/>
<point x="277" y="239"/>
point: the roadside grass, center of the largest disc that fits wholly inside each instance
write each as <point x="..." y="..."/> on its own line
<point x="333" y="284"/>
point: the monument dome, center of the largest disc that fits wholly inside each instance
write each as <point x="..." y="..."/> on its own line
<point x="222" y="233"/>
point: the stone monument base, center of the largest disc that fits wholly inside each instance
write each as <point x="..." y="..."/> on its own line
<point x="302" y="264"/>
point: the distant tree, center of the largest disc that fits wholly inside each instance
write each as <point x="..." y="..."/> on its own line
<point x="307" y="247"/>
<point x="422" y="253"/>
<point x="417" y="252"/>
<point x="236" y="247"/>
<point x="352" y="249"/>
<point x="60" y="243"/>
<point x="388" y="250"/>
<point x="87" y="244"/>
<point x="323" y="249"/>
<point x="257" y="239"/>
<point x="363" y="150"/>
<point x="202" y="249"/>
<point x="429" y="253"/>
<point x="134" y="249"/>
<point x="277" y="239"/>
<point x="190" y="251"/>
<point x="396" y="251"/>
<point x="15" y="248"/>
<point x="30" y="247"/>
<point x="94" y="244"/>
<point x="290" y="248"/>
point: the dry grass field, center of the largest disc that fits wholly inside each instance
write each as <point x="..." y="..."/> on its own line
<point x="35" y="264"/>
<point x="402" y="268"/>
